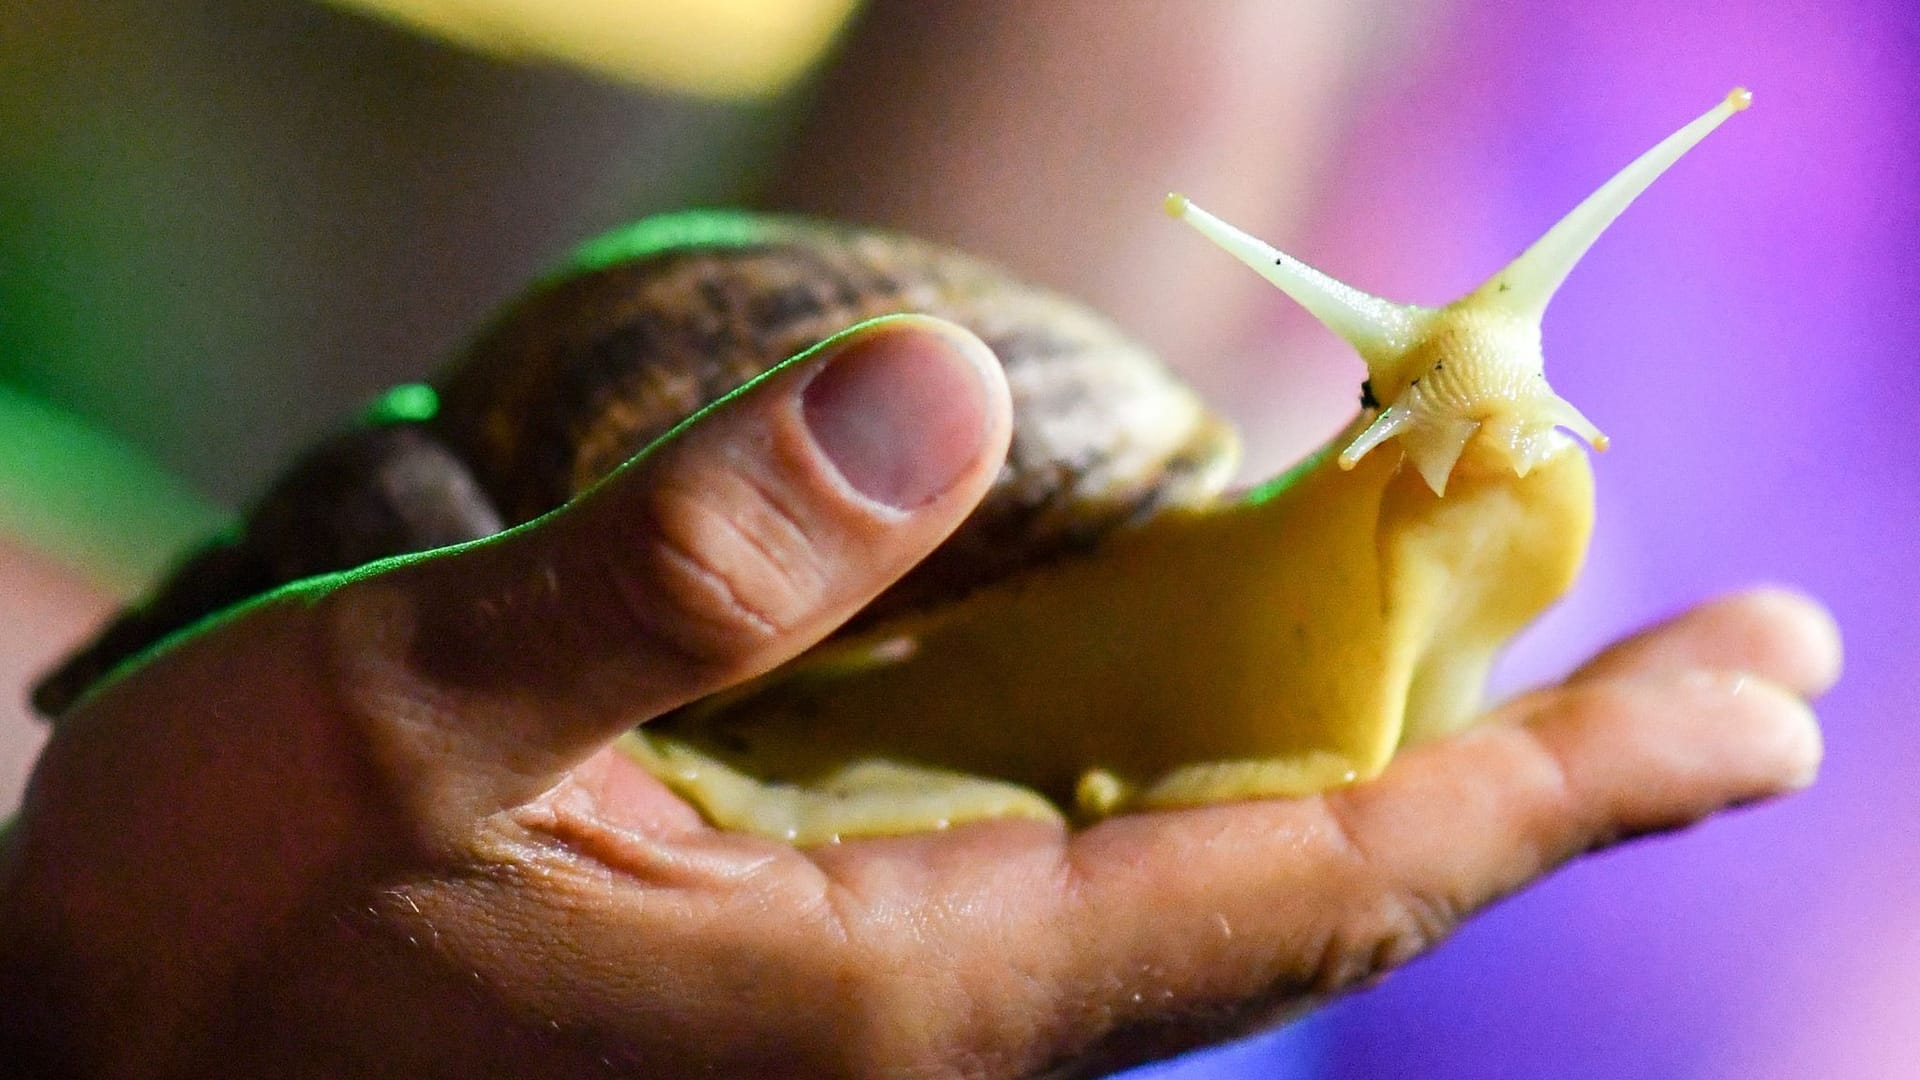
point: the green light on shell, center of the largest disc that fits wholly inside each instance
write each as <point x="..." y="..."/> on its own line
<point x="408" y="402"/>
<point x="684" y="230"/>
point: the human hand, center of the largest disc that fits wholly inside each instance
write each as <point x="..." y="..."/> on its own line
<point x="373" y="826"/>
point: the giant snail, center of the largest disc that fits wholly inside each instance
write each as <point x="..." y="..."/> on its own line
<point x="1111" y="629"/>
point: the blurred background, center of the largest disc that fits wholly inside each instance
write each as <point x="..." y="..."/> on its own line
<point x="226" y="224"/>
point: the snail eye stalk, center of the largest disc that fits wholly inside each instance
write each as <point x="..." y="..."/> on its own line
<point x="1379" y="330"/>
<point x="1470" y="374"/>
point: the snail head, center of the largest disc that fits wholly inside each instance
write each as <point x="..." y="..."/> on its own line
<point x="1465" y="385"/>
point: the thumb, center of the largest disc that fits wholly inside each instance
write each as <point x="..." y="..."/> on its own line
<point x="726" y="548"/>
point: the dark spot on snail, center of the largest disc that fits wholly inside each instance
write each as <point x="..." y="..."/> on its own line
<point x="785" y="306"/>
<point x="1367" y="400"/>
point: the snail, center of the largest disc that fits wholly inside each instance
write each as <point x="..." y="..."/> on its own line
<point x="1112" y="629"/>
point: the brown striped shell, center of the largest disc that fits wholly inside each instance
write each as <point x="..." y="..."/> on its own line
<point x="655" y="322"/>
<point x="581" y="375"/>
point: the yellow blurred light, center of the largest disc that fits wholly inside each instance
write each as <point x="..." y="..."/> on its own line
<point x="711" y="48"/>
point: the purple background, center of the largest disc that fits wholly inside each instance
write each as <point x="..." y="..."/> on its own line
<point x="1749" y="335"/>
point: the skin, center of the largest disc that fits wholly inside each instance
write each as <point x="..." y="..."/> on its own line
<point x="354" y="832"/>
<point x="47" y="606"/>
<point x="374" y="824"/>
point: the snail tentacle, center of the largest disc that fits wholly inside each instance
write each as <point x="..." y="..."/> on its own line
<point x="1479" y="357"/>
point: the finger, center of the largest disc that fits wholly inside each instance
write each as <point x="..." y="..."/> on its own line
<point x="1781" y="636"/>
<point x="734" y="543"/>
<point x="1199" y="922"/>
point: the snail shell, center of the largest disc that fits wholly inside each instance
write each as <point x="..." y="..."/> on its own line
<point x="654" y="322"/>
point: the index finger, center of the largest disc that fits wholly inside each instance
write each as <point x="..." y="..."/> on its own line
<point x="1775" y="633"/>
<point x="1202" y="923"/>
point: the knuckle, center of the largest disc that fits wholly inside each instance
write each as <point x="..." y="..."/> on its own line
<point x="1417" y="920"/>
<point x="720" y="571"/>
<point x="1553" y="805"/>
<point x="1397" y="921"/>
<point x="1372" y="941"/>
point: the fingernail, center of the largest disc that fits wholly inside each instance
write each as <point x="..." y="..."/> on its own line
<point x="901" y="409"/>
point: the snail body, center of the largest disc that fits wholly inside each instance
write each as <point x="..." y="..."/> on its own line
<point x="1110" y="630"/>
<point x="1272" y="642"/>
